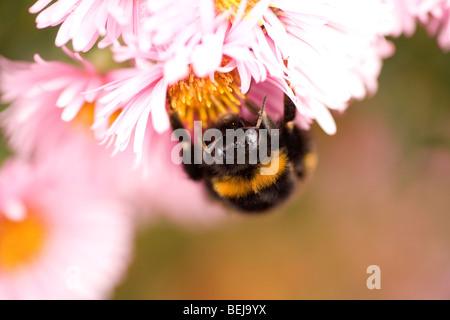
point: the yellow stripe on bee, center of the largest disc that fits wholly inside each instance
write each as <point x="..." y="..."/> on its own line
<point x="238" y="187"/>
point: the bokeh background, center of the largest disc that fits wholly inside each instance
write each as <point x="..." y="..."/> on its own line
<point x="380" y="195"/>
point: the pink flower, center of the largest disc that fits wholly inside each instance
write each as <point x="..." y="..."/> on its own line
<point x="50" y="86"/>
<point x="84" y="21"/>
<point x="142" y="96"/>
<point x="322" y="54"/>
<point x="333" y="51"/>
<point x="61" y="237"/>
<point x="437" y="21"/>
<point x="433" y="14"/>
<point x="404" y="17"/>
<point x="50" y="121"/>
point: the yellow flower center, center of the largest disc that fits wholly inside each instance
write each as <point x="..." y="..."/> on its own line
<point x="86" y="116"/>
<point x="202" y="99"/>
<point x="20" y="242"/>
<point x="225" y="5"/>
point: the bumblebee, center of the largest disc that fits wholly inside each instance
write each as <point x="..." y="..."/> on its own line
<point x="262" y="184"/>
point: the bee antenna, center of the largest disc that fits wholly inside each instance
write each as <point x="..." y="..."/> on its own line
<point x="263" y="106"/>
<point x="208" y="150"/>
<point x="211" y="146"/>
<point x="261" y="112"/>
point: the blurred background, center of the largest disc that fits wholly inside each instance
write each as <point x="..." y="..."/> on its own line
<point x="380" y="196"/>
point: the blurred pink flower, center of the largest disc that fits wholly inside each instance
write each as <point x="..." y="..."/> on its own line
<point x="322" y="54"/>
<point x="84" y="21"/>
<point x="168" y="190"/>
<point x="437" y="21"/>
<point x="434" y="15"/>
<point x="61" y="237"/>
<point x="49" y="86"/>
<point x="404" y="17"/>
<point x="333" y="51"/>
<point x="34" y="127"/>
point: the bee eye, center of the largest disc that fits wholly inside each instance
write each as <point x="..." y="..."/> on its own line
<point x="251" y="137"/>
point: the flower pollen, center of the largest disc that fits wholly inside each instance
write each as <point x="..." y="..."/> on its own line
<point x="223" y="6"/>
<point x="196" y="98"/>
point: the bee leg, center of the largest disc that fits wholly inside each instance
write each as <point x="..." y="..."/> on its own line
<point x="298" y="142"/>
<point x="300" y="149"/>
<point x="192" y="167"/>
<point x="289" y="109"/>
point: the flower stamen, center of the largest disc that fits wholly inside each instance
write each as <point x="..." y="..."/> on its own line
<point x="196" y="98"/>
<point x="223" y="6"/>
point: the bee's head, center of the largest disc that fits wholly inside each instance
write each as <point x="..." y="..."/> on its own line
<point x="235" y="146"/>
